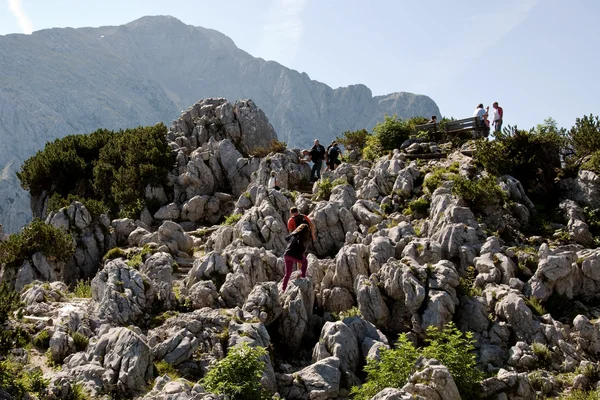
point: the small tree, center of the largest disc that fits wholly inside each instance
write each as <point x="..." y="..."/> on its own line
<point x="238" y="374"/>
<point x="585" y="135"/>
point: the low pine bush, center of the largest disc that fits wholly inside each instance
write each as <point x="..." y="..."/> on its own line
<point x="81" y="341"/>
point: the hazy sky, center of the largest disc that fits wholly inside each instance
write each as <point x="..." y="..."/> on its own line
<point x="537" y="58"/>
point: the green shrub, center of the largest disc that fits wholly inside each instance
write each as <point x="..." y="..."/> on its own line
<point x="585" y="135"/>
<point x="324" y="188"/>
<point x="81" y="341"/>
<point x="11" y="379"/>
<point x="593" y="164"/>
<point x="53" y="242"/>
<point x="418" y="206"/>
<point x="449" y="345"/>
<point x="10" y="301"/>
<point x="477" y="193"/>
<point x="83" y="289"/>
<point x="456" y="351"/>
<point x="391" y="371"/>
<point x="103" y="169"/>
<point x="354" y="140"/>
<point x="274" y="147"/>
<point x="542" y="353"/>
<point x="393" y="131"/>
<point x="373" y="149"/>
<point x="34" y="381"/>
<point x="12" y="338"/>
<point x="436" y="178"/>
<point x="115" y="252"/>
<point x="232" y="219"/>
<point x="349" y="313"/>
<point x="531" y="157"/>
<point x="41" y="340"/>
<point x="238" y="374"/>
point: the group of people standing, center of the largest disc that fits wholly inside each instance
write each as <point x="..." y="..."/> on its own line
<point x="317" y="154"/>
<point x="497" y="115"/>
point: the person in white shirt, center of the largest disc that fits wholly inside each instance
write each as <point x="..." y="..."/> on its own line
<point x="480" y="112"/>
<point x="273" y="184"/>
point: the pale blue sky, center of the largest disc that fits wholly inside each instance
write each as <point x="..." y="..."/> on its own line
<point x="537" y="58"/>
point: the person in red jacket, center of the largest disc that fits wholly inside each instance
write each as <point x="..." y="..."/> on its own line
<point x="296" y="252"/>
<point x="296" y="219"/>
<point x="498" y="116"/>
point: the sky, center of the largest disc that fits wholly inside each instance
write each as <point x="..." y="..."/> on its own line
<point x="537" y="58"/>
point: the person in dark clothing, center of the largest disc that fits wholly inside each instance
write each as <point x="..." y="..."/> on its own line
<point x="317" y="154"/>
<point x="333" y="153"/>
<point x="296" y="252"/>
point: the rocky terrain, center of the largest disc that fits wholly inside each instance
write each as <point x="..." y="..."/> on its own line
<point x="180" y="288"/>
<point x="59" y="82"/>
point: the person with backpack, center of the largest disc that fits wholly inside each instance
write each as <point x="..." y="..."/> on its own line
<point x="317" y="154"/>
<point x="296" y="252"/>
<point x="297" y="219"/>
<point x="333" y="154"/>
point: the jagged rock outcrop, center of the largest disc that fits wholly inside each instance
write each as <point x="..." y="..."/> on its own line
<point x="120" y="359"/>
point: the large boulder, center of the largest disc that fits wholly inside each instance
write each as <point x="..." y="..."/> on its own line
<point x="122" y="294"/>
<point x="120" y="359"/>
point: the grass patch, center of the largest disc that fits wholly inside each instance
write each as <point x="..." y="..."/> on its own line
<point x="81" y="341"/>
<point x="83" y="289"/>
<point x="232" y="219"/>
<point x="164" y="368"/>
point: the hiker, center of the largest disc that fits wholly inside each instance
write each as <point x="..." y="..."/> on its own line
<point x="433" y="120"/>
<point x="305" y="157"/>
<point x="498" y="116"/>
<point x="297" y="219"/>
<point x="317" y="154"/>
<point x="296" y="252"/>
<point x="334" y="154"/>
<point x="273" y="183"/>
<point x="479" y="112"/>
<point x="486" y="121"/>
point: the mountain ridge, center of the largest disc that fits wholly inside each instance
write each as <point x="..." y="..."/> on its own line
<point x="62" y="81"/>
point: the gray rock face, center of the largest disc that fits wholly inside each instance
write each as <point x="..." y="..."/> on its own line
<point x="123" y="295"/>
<point x="174" y="66"/>
<point x="92" y="239"/>
<point x="120" y="358"/>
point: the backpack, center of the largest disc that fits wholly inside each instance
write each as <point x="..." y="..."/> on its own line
<point x="299" y="220"/>
<point x="333" y="152"/>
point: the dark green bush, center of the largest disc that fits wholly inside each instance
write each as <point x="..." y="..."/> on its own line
<point x="354" y="140"/>
<point x="10" y="301"/>
<point x="585" y="135"/>
<point x="531" y="157"/>
<point x="41" y="340"/>
<point x="238" y="374"/>
<point x="133" y="159"/>
<point x="65" y="165"/>
<point x="53" y="242"/>
<point x="106" y="166"/>
<point x="449" y="346"/>
<point x="10" y="378"/>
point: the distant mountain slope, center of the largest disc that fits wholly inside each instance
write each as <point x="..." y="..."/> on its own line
<point x="62" y="81"/>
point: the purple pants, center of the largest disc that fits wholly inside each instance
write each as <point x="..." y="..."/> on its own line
<point x="289" y="268"/>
